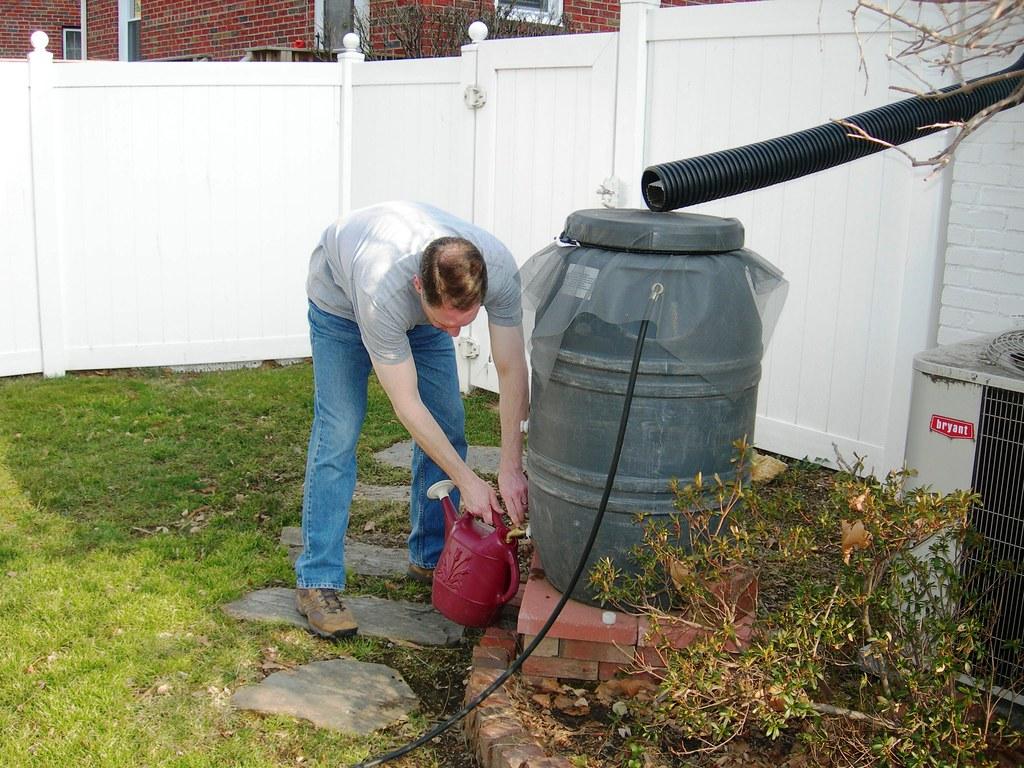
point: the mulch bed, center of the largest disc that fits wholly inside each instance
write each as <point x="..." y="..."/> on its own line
<point x="592" y="734"/>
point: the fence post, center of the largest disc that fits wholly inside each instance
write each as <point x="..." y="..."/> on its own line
<point x="631" y="100"/>
<point x="471" y="96"/>
<point x="466" y="179"/>
<point x="348" y="56"/>
<point x="44" y="206"/>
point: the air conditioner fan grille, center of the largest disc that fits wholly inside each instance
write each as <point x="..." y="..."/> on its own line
<point x="995" y="569"/>
<point x="1007" y="351"/>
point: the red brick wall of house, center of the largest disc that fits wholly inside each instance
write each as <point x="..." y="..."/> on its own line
<point x="592" y="15"/>
<point x="222" y="30"/>
<point x="384" y="16"/>
<point x="20" y="18"/>
<point x="582" y="16"/>
<point x="170" y="28"/>
<point x="674" y="3"/>
<point x="603" y="15"/>
<point x="102" y="30"/>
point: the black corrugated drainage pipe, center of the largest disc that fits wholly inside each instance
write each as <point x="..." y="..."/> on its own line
<point x="680" y="183"/>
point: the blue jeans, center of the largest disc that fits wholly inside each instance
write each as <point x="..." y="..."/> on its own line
<point x="341" y="366"/>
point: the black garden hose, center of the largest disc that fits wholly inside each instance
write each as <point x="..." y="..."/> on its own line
<point x="656" y="290"/>
<point x="680" y="183"/>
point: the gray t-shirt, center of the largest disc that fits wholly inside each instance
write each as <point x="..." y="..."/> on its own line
<point x="363" y="268"/>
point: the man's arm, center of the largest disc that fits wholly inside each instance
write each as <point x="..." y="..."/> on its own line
<point x="399" y="382"/>
<point x="509" y="355"/>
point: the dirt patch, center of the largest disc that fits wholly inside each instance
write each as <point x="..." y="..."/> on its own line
<point x="602" y="731"/>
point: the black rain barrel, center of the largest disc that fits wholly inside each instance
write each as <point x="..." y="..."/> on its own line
<point x="695" y="395"/>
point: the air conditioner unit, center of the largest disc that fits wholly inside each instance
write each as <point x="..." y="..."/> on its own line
<point x="967" y="431"/>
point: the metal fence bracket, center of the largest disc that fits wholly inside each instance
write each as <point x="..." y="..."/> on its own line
<point x="468" y="347"/>
<point x="474" y="97"/>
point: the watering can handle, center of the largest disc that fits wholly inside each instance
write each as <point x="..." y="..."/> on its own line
<point x="513" y="577"/>
<point x="502" y="532"/>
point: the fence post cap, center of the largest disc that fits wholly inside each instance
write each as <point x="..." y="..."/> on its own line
<point x="40" y="40"/>
<point x="350" y="48"/>
<point x="477" y="31"/>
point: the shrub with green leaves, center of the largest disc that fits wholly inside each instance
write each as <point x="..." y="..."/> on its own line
<point x="880" y="655"/>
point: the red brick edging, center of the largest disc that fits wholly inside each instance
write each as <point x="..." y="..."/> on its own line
<point x="495" y="732"/>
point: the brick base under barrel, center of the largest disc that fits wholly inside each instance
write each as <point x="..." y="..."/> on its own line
<point x="585" y="643"/>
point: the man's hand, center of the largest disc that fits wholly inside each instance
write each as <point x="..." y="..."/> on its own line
<point x="479" y="499"/>
<point x="513" y="488"/>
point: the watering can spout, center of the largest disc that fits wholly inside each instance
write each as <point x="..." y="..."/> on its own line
<point x="440" y="490"/>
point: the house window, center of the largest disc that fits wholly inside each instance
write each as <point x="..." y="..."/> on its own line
<point x="544" y="11"/>
<point x="130" y="27"/>
<point x="134" y="27"/>
<point x="72" y="43"/>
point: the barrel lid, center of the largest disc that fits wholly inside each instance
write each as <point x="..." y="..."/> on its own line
<point x="651" y="232"/>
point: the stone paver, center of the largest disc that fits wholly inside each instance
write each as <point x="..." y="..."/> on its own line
<point x="340" y="694"/>
<point x="401" y="620"/>
<point x="381" y="492"/>
<point x="291" y="536"/>
<point x="479" y="458"/>
<point x="364" y="559"/>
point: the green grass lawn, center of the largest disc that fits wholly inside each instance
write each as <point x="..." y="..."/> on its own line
<point x="132" y="506"/>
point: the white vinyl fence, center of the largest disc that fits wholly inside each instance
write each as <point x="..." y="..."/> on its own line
<point x="163" y="213"/>
<point x="861" y="244"/>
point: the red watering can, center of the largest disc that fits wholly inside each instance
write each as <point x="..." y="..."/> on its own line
<point x="478" y="571"/>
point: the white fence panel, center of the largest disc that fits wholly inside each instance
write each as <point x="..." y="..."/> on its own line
<point x="191" y="197"/>
<point x="544" y="145"/>
<point x="860" y="243"/>
<point x="411" y="135"/>
<point x="19" y="308"/>
<point x="544" y="137"/>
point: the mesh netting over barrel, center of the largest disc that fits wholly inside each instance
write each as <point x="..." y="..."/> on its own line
<point x="696" y="390"/>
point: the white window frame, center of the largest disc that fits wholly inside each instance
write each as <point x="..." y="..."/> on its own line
<point x="553" y="15"/>
<point x="64" y="42"/>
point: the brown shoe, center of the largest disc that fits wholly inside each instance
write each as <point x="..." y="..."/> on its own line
<point x="326" y="614"/>
<point x="420" y="574"/>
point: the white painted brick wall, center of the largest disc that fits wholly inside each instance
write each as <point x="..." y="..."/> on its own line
<point x="983" y="283"/>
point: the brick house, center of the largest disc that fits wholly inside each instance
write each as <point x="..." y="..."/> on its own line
<point x="58" y="18"/>
<point x="224" y="30"/>
<point x="130" y="30"/>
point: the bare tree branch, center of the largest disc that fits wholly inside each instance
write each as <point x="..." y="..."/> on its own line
<point x="949" y="37"/>
<point x="852" y="714"/>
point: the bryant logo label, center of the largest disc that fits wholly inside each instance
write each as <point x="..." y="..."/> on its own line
<point x="953" y="428"/>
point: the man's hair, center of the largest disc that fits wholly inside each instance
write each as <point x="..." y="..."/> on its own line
<point x="453" y="272"/>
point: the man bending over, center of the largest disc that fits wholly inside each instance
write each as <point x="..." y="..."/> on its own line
<point x="389" y="287"/>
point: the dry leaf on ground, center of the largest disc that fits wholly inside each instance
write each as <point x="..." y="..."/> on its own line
<point x="569" y="706"/>
<point x="549" y="684"/>
<point x="859" y="503"/>
<point x="625" y="688"/>
<point x="680" y="574"/>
